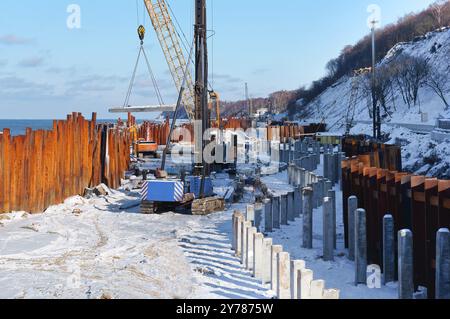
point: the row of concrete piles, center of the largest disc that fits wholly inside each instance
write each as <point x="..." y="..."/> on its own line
<point x="405" y="271"/>
<point x="314" y="191"/>
<point x="317" y="192"/>
<point x="288" y="279"/>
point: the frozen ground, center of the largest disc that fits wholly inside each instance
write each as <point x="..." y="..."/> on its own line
<point x="420" y="153"/>
<point x="332" y="105"/>
<point x="109" y="251"/>
<point x="339" y="274"/>
<point x="102" y="248"/>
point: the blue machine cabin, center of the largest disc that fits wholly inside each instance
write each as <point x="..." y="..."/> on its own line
<point x="195" y="185"/>
<point x="166" y="191"/>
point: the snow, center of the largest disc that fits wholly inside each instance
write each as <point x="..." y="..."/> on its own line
<point x="96" y="248"/>
<point x="339" y="274"/>
<point x="331" y="106"/>
<point x="104" y="252"/>
<point x="103" y="248"/>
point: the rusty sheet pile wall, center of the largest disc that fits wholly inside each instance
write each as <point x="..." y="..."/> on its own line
<point x="43" y="168"/>
<point x="158" y="132"/>
<point x="417" y="203"/>
<point x="380" y="155"/>
<point x="154" y="132"/>
<point x="294" y="131"/>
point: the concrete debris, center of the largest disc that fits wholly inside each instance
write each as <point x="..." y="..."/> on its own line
<point x="102" y="190"/>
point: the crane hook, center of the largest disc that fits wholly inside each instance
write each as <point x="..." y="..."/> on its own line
<point x="141" y="33"/>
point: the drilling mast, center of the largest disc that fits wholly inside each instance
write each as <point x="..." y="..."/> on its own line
<point x="201" y="84"/>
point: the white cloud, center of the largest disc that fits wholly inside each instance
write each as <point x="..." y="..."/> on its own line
<point x="32" y="62"/>
<point x="11" y="39"/>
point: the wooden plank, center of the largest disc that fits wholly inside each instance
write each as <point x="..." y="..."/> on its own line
<point x="13" y="167"/>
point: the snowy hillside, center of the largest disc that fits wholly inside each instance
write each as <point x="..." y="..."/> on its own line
<point x="348" y="102"/>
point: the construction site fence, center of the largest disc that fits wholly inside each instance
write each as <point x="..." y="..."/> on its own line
<point x="293" y="131"/>
<point x="44" y="167"/>
<point x="159" y="132"/>
<point x="417" y="203"/>
<point x="376" y="154"/>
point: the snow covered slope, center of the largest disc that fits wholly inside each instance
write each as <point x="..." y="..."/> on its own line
<point x="332" y="104"/>
<point x="421" y="154"/>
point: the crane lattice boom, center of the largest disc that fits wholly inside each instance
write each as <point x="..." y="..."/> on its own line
<point x="170" y="44"/>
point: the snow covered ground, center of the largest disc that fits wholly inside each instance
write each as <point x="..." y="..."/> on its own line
<point x="420" y="153"/>
<point x="104" y="252"/>
<point x="102" y="248"/>
<point x="333" y="103"/>
<point x="339" y="274"/>
<point x="98" y="248"/>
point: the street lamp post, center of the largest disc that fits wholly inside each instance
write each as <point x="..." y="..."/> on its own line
<point x="375" y="109"/>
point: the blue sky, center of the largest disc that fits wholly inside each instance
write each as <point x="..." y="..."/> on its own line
<point x="48" y="70"/>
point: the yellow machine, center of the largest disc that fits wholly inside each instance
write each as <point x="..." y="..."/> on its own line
<point x="215" y="102"/>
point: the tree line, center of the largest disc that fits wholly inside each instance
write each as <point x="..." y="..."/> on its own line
<point x="353" y="57"/>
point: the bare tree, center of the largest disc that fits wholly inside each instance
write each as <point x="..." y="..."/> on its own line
<point x="383" y="89"/>
<point x="401" y="80"/>
<point x="419" y="71"/>
<point x="366" y="86"/>
<point x="410" y="74"/>
<point x="438" y="82"/>
<point x="383" y="86"/>
<point x="437" y="9"/>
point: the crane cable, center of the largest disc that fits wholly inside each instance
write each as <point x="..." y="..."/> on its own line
<point x="130" y="87"/>
<point x="178" y="29"/>
<point x="183" y="39"/>
<point x="155" y="83"/>
<point x="137" y="13"/>
<point x="141" y="31"/>
<point x="212" y="44"/>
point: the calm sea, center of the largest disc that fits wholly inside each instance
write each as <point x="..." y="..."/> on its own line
<point x="18" y="127"/>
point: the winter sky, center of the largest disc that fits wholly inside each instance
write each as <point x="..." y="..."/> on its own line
<point x="48" y="69"/>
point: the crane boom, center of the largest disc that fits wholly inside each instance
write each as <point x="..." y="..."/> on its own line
<point x="170" y="44"/>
